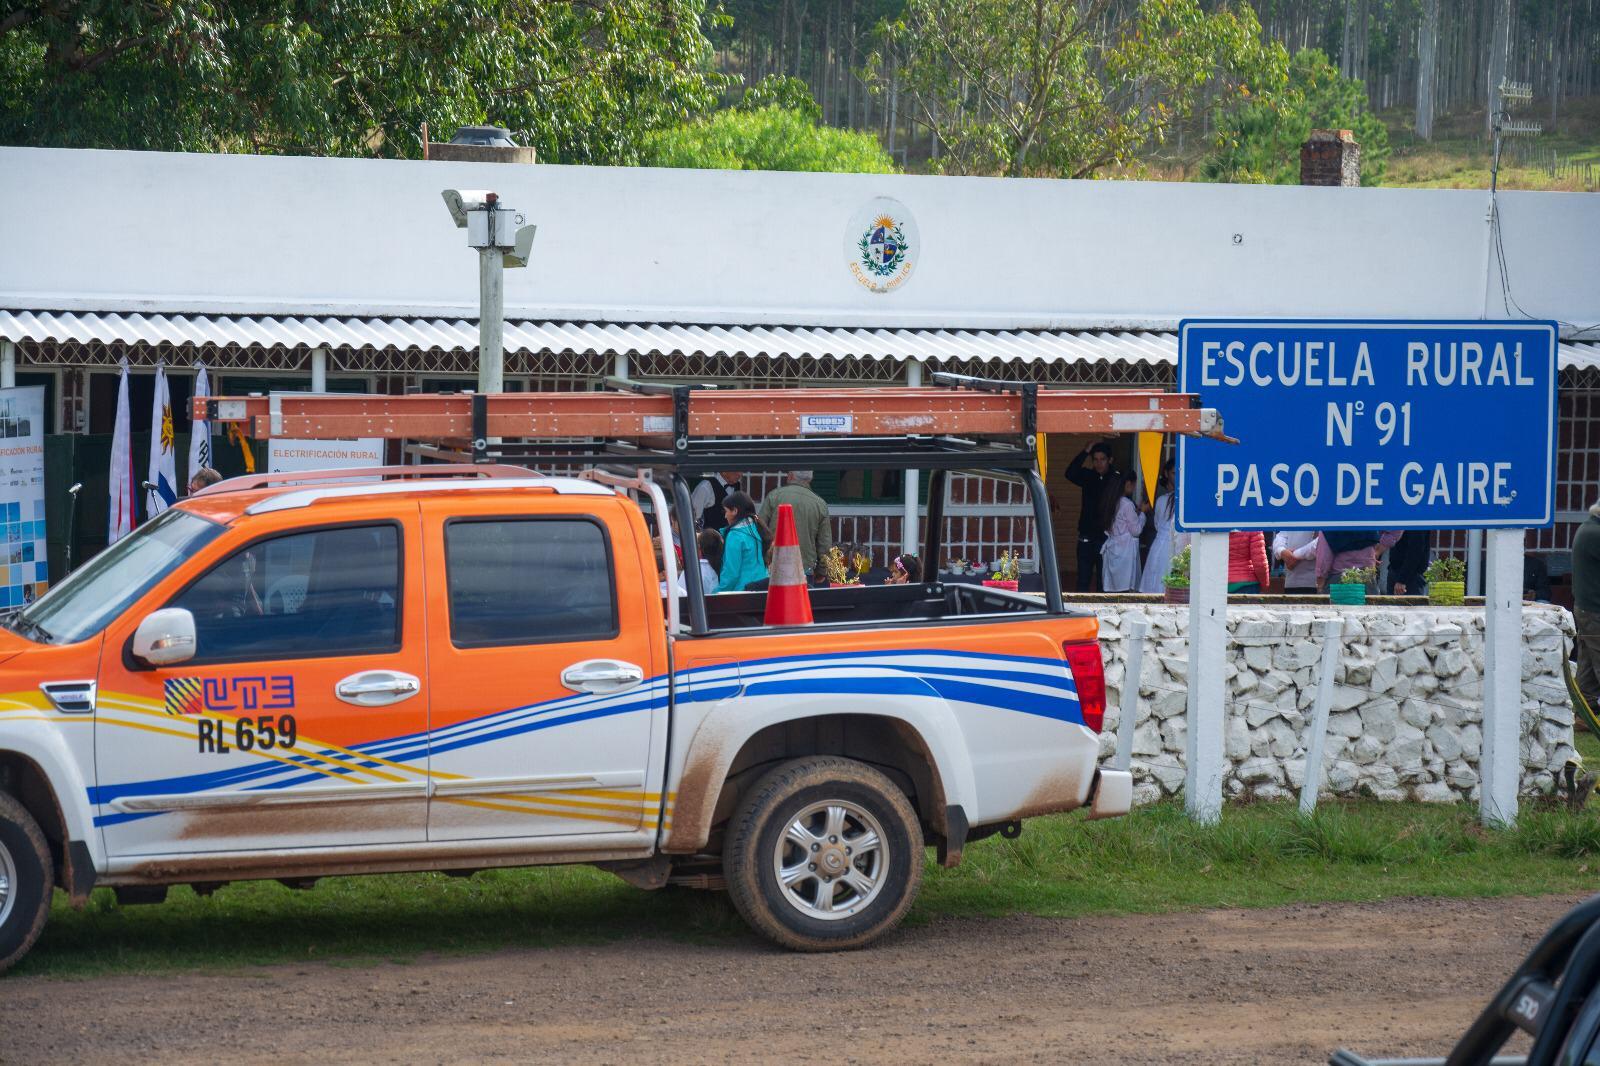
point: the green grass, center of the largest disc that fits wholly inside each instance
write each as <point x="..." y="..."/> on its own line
<point x="1261" y="855"/>
<point x="1458" y="157"/>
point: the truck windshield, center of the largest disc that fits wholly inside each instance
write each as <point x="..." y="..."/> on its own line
<point x="92" y="596"/>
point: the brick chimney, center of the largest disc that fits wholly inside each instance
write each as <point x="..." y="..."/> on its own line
<point x="1330" y="157"/>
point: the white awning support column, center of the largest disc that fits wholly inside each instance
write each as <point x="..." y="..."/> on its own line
<point x="319" y="370"/>
<point x="8" y="364"/>
<point x="1502" y="679"/>
<point x="620" y="367"/>
<point x="1208" y="653"/>
<point x="910" y="538"/>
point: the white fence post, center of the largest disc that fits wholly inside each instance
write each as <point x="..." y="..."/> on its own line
<point x="1133" y="633"/>
<point x="1502" y="679"/>
<point x="1208" y="651"/>
<point x="1330" y="629"/>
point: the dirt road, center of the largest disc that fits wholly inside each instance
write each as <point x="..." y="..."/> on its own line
<point x="1266" y="986"/>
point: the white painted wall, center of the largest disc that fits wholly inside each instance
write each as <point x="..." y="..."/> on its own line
<point x="259" y="234"/>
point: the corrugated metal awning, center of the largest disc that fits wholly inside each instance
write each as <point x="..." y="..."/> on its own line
<point x="597" y="338"/>
<point x="612" y="338"/>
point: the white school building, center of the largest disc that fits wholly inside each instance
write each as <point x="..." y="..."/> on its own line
<point x="273" y="271"/>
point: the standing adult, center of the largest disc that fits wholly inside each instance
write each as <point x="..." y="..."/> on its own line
<point x="707" y="498"/>
<point x="1092" y="472"/>
<point x="812" y="523"/>
<point x="1339" y="550"/>
<point x="1297" y="551"/>
<point x="1247" y="561"/>
<point x="1162" y="515"/>
<point x="1120" y="554"/>
<point x="1407" y="561"/>
<point x="1586" y="604"/>
<point x="743" y="550"/>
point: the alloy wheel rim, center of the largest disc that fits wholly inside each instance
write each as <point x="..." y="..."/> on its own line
<point x="8" y="884"/>
<point x="831" y="860"/>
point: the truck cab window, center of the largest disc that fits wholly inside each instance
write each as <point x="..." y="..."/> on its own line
<point x="529" y="581"/>
<point x="320" y="593"/>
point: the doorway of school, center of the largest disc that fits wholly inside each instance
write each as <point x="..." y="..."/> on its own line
<point x="1066" y="499"/>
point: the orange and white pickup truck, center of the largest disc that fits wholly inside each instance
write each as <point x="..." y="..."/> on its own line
<point x="292" y="680"/>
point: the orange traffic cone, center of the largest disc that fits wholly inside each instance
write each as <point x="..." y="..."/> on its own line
<point x="788" y="601"/>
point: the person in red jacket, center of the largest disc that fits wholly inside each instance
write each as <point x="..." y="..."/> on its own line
<point x="1247" y="562"/>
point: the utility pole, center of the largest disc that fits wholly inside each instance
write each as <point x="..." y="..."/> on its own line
<point x="496" y="231"/>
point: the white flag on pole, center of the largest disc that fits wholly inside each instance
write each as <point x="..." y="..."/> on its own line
<point x="163" y="476"/>
<point x="122" y="497"/>
<point x="200" y="442"/>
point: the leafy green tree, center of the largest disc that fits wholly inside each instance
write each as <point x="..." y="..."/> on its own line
<point x="1260" y="140"/>
<point x="767" y="138"/>
<point x="1067" y="88"/>
<point x="579" y="80"/>
<point x="781" y="90"/>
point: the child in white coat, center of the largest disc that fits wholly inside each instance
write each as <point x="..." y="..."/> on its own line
<point x="1119" y="559"/>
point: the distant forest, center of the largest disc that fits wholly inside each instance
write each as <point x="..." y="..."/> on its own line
<point x="1431" y="58"/>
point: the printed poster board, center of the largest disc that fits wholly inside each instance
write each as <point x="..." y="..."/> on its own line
<point x="24" y="565"/>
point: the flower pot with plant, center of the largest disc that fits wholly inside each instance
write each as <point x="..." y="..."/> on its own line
<point x="1005" y="573"/>
<point x="1351" y="586"/>
<point x="1176" y="582"/>
<point x="1446" y="577"/>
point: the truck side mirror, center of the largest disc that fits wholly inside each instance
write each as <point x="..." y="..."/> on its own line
<point x="165" y="637"/>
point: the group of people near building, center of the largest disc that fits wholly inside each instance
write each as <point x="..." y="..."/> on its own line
<point x="734" y="535"/>
<point x="1111" y="541"/>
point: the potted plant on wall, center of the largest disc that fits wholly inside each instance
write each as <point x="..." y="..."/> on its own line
<point x="1176" y="581"/>
<point x="1351" y="586"/>
<point x="1447" y="581"/>
<point x="1005" y="573"/>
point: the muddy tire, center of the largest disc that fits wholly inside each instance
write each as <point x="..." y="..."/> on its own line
<point x="26" y="881"/>
<point x="823" y="854"/>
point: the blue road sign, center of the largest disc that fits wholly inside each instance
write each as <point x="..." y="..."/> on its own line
<point x="1370" y="425"/>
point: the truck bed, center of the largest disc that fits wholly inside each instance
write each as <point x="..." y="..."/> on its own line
<point x="934" y="602"/>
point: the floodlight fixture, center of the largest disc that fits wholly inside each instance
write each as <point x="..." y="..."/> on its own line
<point x="462" y="201"/>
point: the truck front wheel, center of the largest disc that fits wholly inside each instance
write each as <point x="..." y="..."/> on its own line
<point x="824" y="854"/>
<point x="26" y="879"/>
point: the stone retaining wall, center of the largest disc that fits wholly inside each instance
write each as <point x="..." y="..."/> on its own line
<point x="1406" y="720"/>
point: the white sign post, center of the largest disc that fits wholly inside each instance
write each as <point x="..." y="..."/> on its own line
<point x="1208" y="652"/>
<point x="1502" y="679"/>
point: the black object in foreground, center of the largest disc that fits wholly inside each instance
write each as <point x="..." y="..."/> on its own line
<point x="1551" y="997"/>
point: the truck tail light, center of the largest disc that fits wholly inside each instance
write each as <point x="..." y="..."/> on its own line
<point x="1083" y="658"/>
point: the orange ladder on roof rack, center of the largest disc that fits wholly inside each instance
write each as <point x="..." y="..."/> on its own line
<point x="980" y="410"/>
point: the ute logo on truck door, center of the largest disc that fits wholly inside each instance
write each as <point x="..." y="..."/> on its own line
<point x="211" y="754"/>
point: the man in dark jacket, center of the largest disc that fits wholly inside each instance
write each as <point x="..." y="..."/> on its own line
<point x="1407" y="560"/>
<point x="1092" y="472"/>
<point x="1586" y="604"/>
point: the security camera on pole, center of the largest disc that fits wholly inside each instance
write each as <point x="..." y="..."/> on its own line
<point x="496" y="231"/>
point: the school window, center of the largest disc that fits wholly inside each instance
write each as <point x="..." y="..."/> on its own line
<point x="324" y="592"/>
<point x="528" y="581"/>
<point x="865" y="486"/>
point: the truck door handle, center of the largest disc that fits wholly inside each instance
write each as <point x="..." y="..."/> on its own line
<point x="377" y="688"/>
<point x="602" y="676"/>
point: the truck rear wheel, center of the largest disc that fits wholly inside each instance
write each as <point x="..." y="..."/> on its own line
<point x="26" y="880"/>
<point x="824" y="854"/>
